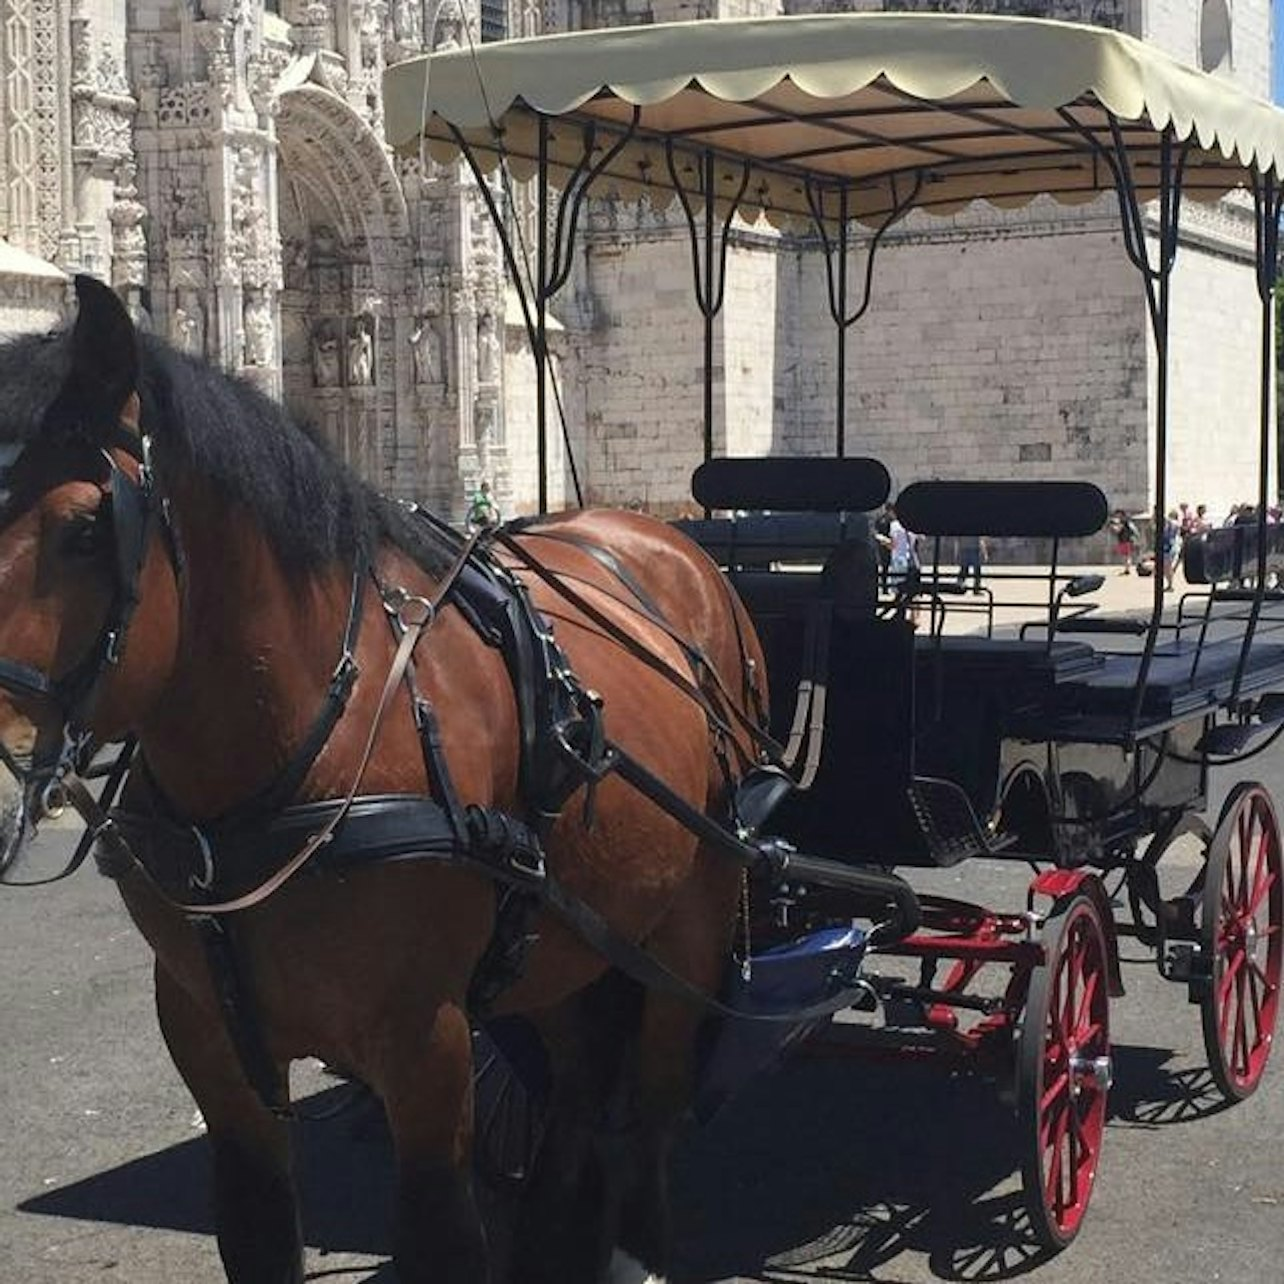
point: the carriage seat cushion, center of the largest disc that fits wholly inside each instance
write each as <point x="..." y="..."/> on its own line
<point x="1177" y="685"/>
<point x="1012" y="657"/>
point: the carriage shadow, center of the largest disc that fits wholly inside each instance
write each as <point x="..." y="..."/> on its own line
<point x="824" y="1170"/>
<point x="831" y="1171"/>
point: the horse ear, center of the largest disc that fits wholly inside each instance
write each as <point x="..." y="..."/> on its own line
<point x="104" y="354"/>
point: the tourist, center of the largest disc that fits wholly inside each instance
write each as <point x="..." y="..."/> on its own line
<point x="1125" y="533"/>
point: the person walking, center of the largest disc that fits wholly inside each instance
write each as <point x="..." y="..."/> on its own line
<point x="973" y="551"/>
<point x="1169" y="546"/>
<point x="1125" y="533"/>
<point x="883" y="542"/>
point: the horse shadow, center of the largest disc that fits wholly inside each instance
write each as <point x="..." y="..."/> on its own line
<point x="827" y="1167"/>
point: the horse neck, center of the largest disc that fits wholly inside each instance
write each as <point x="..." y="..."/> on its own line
<point x="257" y="647"/>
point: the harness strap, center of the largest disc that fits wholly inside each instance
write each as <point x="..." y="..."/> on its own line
<point x="809" y="710"/>
<point x="22" y="679"/>
<point x="240" y="1014"/>
<point x="415" y="625"/>
<point x="626" y="640"/>
<point x="277" y="793"/>
<point x="696" y="657"/>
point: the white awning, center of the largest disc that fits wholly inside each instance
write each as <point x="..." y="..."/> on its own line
<point x="16" y="262"/>
<point x="959" y="107"/>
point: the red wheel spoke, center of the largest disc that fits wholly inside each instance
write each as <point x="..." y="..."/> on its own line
<point x="1259" y="973"/>
<point x="1261" y="886"/>
<point x="1239" y="1048"/>
<point x="1059" y="1087"/>
<point x="1083" y="1017"/>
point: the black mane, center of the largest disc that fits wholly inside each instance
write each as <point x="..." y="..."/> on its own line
<point x="311" y="509"/>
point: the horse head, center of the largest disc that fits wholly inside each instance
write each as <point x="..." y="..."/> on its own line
<point x="88" y="630"/>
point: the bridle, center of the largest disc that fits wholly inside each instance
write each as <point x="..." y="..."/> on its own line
<point x="134" y="509"/>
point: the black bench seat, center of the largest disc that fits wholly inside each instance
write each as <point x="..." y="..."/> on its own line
<point x="1011" y="658"/>
<point x="1184" y="682"/>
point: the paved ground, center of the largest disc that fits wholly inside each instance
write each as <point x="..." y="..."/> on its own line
<point x="824" y="1171"/>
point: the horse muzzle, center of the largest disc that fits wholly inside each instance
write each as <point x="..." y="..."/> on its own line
<point x="30" y="792"/>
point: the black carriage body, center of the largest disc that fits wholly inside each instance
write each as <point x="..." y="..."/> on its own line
<point x="933" y="748"/>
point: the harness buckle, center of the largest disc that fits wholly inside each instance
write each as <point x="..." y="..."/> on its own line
<point x="527" y="864"/>
<point x="344" y="675"/>
<point x="421" y="612"/>
<point x="114" y="650"/>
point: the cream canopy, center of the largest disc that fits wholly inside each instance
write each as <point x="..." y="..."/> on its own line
<point x="961" y="107"/>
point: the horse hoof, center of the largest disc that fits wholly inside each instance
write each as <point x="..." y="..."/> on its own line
<point x="625" y="1269"/>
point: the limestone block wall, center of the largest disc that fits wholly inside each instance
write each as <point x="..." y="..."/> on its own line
<point x="641" y="371"/>
<point x="1214" y="404"/>
<point x="753" y="346"/>
<point x="521" y="431"/>
<point x="1005" y="351"/>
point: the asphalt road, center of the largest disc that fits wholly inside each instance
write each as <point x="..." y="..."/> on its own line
<point x="826" y="1170"/>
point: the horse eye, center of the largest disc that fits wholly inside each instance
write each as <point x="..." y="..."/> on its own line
<point x="83" y="536"/>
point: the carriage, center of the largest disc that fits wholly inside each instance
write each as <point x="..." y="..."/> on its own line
<point x="1082" y="747"/>
<point x="577" y="809"/>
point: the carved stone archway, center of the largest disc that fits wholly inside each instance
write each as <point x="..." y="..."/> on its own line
<point x="346" y="262"/>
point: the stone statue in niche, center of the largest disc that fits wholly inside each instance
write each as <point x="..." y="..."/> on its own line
<point x="188" y="327"/>
<point x="360" y="354"/>
<point x="407" y="21"/>
<point x="483" y="423"/>
<point x="446" y="32"/>
<point x="487" y="348"/>
<point x="325" y="356"/>
<point x="425" y="348"/>
<point x="259" y="336"/>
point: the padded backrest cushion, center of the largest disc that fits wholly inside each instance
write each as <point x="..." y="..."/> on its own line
<point x="1049" y="509"/>
<point x="802" y="485"/>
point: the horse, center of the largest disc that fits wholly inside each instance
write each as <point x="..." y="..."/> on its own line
<point x="182" y="562"/>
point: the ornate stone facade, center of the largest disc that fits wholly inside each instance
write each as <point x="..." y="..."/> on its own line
<point x="221" y="163"/>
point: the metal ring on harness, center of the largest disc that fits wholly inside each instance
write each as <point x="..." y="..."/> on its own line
<point x="421" y="614"/>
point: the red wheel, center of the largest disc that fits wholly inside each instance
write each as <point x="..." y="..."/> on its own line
<point x="1064" y="1071"/>
<point x="1240" y="940"/>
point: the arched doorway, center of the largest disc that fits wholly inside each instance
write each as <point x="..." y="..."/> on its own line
<point x="345" y="263"/>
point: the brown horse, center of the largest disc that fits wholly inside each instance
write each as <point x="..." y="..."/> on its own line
<point x="178" y="560"/>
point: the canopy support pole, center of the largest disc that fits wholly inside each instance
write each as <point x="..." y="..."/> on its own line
<point x="539" y="343"/>
<point x="1267" y="200"/>
<point x="710" y="243"/>
<point x="1156" y="279"/>
<point x="554" y="258"/>
<point x="836" y="278"/>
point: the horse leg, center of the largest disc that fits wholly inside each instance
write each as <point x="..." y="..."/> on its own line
<point x="694" y="940"/>
<point x="256" y="1214"/>
<point x="663" y="1080"/>
<point x="566" y="1223"/>
<point x="425" y="1081"/>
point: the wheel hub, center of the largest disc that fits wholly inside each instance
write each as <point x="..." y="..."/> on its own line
<point x="1099" y="1070"/>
